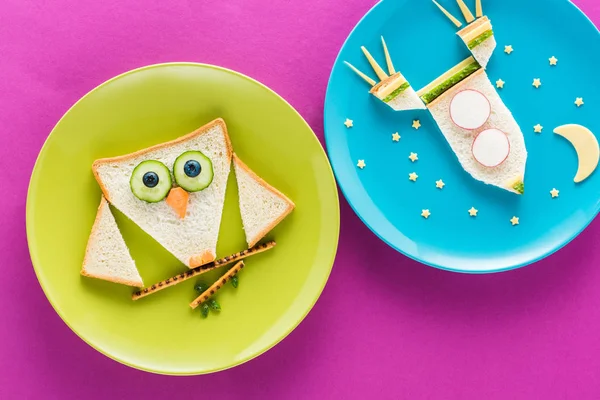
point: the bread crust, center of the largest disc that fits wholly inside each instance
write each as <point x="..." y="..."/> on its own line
<point x="109" y="278"/>
<point x="263" y="183"/>
<point x="198" y="132"/>
<point x="112" y="279"/>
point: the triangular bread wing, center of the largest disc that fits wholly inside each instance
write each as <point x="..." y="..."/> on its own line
<point x="192" y="239"/>
<point x="106" y="255"/>
<point x="261" y="205"/>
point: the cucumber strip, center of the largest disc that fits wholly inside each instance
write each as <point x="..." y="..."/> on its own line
<point x="396" y="92"/>
<point x="450" y="82"/>
<point x="480" y="39"/>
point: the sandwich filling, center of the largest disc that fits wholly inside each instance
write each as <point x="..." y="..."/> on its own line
<point x="519" y="187"/>
<point x="480" y="39"/>
<point x="475" y="29"/>
<point x="396" y="92"/>
<point x="449" y="80"/>
<point x="388" y="89"/>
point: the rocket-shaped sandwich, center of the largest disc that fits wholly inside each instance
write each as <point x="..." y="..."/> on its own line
<point x="393" y="89"/>
<point x="478" y="126"/>
<point x="480" y="129"/>
<point x="478" y="35"/>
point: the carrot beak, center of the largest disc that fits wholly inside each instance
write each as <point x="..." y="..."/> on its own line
<point x="178" y="200"/>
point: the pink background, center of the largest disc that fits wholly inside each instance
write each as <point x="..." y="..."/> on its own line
<point x="385" y="326"/>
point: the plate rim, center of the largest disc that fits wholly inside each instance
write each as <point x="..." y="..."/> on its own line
<point x="36" y="262"/>
<point x="353" y="202"/>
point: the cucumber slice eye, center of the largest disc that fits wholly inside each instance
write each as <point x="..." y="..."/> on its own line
<point x="193" y="171"/>
<point x="150" y="181"/>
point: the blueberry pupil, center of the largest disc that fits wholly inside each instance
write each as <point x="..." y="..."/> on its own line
<point x="150" y="179"/>
<point x="192" y="168"/>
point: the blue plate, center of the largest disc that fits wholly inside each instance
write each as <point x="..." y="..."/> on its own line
<point x="423" y="45"/>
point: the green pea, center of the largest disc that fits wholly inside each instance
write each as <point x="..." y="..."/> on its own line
<point x="200" y="287"/>
<point x="204" y="309"/>
<point x="214" y="305"/>
<point x="234" y="281"/>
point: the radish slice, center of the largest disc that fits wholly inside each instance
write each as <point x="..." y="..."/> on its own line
<point x="491" y="147"/>
<point x="470" y="109"/>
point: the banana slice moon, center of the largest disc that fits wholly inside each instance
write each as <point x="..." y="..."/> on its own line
<point x="586" y="146"/>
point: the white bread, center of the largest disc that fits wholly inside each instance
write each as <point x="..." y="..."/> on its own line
<point x="512" y="170"/>
<point x="261" y="205"/>
<point x="106" y="255"/>
<point x="482" y="52"/>
<point x="193" y="239"/>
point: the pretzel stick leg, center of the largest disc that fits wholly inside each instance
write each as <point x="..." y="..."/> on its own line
<point x="217" y="285"/>
<point x="259" y="248"/>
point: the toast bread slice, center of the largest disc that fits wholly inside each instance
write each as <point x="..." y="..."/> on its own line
<point x="261" y="205"/>
<point x="106" y="254"/>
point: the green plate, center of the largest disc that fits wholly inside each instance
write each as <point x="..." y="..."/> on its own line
<point x="161" y="333"/>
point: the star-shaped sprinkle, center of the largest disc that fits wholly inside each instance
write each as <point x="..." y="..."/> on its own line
<point x="349" y="123"/>
<point x="413" y="157"/>
<point x="537" y="82"/>
<point x="440" y="184"/>
<point x="579" y="102"/>
<point x="413" y="176"/>
<point x="395" y="137"/>
<point x="553" y="60"/>
<point x="554" y="193"/>
<point x="473" y="212"/>
<point x="514" y="221"/>
<point x="538" y="128"/>
<point x="508" y="49"/>
<point x="361" y="164"/>
<point x="500" y="84"/>
<point x="416" y="124"/>
<point x="425" y="214"/>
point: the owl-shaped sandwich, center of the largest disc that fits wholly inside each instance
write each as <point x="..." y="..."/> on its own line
<point x="175" y="192"/>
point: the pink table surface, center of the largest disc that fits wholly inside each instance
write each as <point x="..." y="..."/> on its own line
<point x="385" y="326"/>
